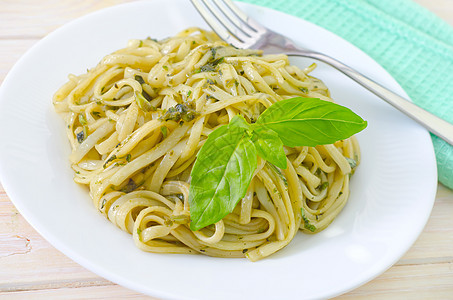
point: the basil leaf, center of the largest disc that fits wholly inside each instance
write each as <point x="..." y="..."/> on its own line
<point x="221" y="174"/>
<point x="310" y="121"/>
<point x="226" y="162"/>
<point x="269" y="146"/>
<point x="239" y="122"/>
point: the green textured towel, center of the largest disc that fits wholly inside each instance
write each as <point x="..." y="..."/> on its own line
<point x="411" y="43"/>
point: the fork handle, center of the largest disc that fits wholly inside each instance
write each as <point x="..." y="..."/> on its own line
<point x="434" y="124"/>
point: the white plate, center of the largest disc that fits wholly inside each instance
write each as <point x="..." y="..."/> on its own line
<point x="391" y="198"/>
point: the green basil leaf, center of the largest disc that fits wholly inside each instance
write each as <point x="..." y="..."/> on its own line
<point x="239" y="122"/>
<point x="310" y="121"/>
<point x="269" y="146"/>
<point x="221" y="174"/>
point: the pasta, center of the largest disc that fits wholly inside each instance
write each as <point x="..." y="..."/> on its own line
<point x="136" y="121"/>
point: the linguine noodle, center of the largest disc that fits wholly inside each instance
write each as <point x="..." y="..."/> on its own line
<point x="136" y="121"/>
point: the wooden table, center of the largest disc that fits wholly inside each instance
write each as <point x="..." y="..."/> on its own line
<point x="31" y="268"/>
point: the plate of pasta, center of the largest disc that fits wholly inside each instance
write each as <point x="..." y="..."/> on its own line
<point x="163" y="159"/>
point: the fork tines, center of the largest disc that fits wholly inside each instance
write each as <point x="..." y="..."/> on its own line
<point x="229" y="22"/>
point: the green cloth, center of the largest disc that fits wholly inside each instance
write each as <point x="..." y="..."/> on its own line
<point x="411" y="43"/>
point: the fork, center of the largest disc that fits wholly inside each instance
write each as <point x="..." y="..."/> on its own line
<point x="239" y="30"/>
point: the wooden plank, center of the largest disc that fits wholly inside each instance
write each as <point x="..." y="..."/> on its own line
<point x="441" y="8"/>
<point x="86" y="293"/>
<point x="24" y="255"/>
<point x="429" y="281"/>
<point x="435" y="244"/>
<point x="35" y="19"/>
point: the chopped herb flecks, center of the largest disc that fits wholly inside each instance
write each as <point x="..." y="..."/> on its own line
<point x="82" y="135"/>
<point x="129" y="187"/>
<point x="82" y="120"/>
<point x="139" y="79"/>
<point x="307" y="224"/>
<point x="352" y="162"/>
<point x="303" y="90"/>
<point x="111" y="158"/>
<point x="323" y="186"/>
<point x="179" y="112"/>
<point x="163" y="129"/>
<point x="279" y="173"/>
<point x="180" y="219"/>
<point x="211" y="66"/>
<point x="143" y="103"/>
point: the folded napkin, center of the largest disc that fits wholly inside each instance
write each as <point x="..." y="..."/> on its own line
<point x="411" y="43"/>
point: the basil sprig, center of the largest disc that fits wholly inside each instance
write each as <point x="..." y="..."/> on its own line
<point x="226" y="162"/>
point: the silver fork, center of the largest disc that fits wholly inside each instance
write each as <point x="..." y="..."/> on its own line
<point x="239" y="30"/>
